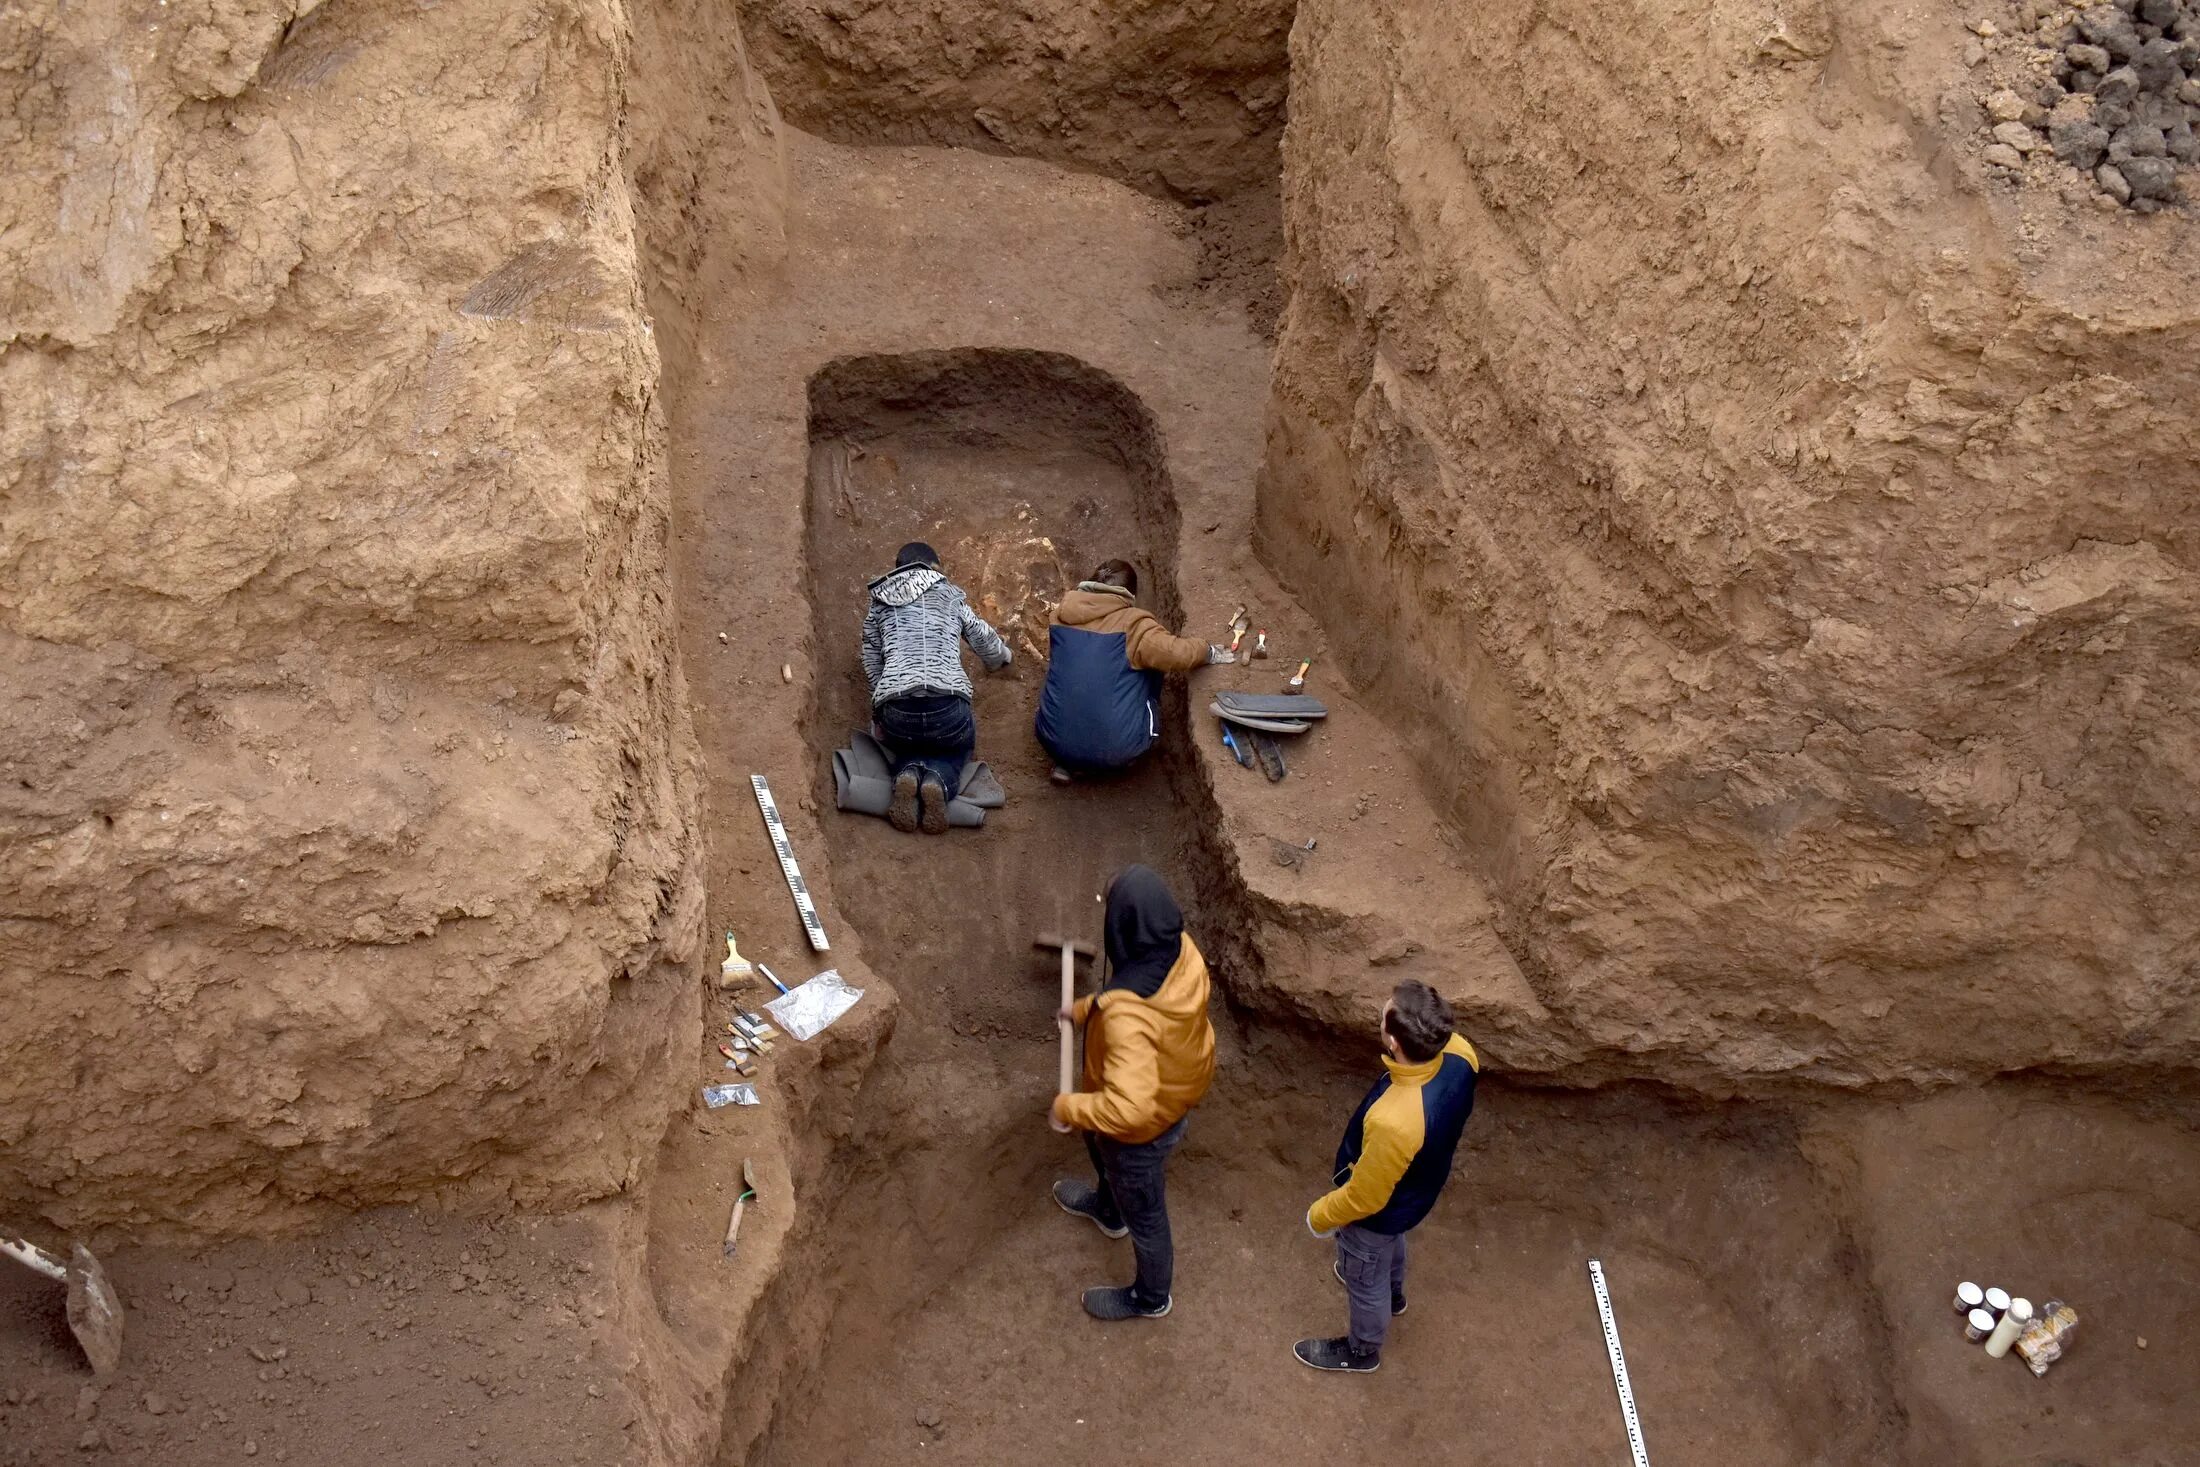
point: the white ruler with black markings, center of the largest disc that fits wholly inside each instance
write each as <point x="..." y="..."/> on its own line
<point x="1619" y="1365"/>
<point x="785" y="852"/>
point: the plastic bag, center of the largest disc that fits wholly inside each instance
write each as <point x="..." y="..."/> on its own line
<point x="715" y="1096"/>
<point x="2051" y="1332"/>
<point x="805" y="1009"/>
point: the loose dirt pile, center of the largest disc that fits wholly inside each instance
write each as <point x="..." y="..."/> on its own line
<point x="2111" y="91"/>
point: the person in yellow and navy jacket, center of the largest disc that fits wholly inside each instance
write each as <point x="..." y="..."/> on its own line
<point x="1394" y="1159"/>
<point x="1149" y="1056"/>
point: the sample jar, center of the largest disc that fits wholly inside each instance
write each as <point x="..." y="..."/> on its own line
<point x="1998" y="1301"/>
<point x="1968" y="1297"/>
<point x="2012" y="1324"/>
<point x="1978" y="1325"/>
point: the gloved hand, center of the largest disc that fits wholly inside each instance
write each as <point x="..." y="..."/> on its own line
<point x="1217" y="653"/>
<point x="1317" y="1232"/>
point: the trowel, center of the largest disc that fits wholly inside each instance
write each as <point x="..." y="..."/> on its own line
<point x="95" y="1314"/>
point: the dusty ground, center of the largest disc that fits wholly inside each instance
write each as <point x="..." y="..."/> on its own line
<point x="1780" y="1268"/>
<point x="393" y="1336"/>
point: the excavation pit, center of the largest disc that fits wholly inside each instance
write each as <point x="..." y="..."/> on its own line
<point x="1780" y="1265"/>
<point x="1023" y="470"/>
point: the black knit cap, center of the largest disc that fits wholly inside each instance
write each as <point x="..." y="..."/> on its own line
<point x="916" y="552"/>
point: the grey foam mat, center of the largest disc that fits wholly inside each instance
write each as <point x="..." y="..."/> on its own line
<point x="863" y="783"/>
<point x="1296" y="707"/>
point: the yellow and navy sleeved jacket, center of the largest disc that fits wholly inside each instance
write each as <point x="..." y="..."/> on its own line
<point x="1396" y="1153"/>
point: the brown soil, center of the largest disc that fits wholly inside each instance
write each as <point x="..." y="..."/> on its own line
<point x="1807" y="1324"/>
<point x="1034" y="369"/>
<point x="1023" y="471"/>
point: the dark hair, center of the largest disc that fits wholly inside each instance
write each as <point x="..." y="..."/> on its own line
<point x="1117" y="573"/>
<point x="1419" y="1020"/>
<point x="916" y="552"/>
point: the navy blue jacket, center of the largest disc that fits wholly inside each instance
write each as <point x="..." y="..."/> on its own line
<point x="1100" y="708"/>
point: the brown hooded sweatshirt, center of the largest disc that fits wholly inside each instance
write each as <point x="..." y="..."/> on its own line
<point x="1097" y="608"/>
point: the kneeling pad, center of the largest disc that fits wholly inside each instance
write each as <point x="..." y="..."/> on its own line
<point x="863" y="782"/>
<point x="1294" y="706"/>
<point x="1255" y="720"/>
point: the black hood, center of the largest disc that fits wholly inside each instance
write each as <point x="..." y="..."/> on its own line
<point x="1145" y="930"/>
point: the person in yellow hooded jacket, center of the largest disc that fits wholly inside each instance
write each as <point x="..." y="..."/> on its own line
<point x="1149" y="1057"/>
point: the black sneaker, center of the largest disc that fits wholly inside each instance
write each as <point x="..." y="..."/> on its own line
<point x="1081" y="1199"/>
<point x="903" y="811"/>
<point x="1107" y="1303"/>
<point x="933" y="795"/>
<point x="1397" y="1300"/>
<point x="1336" y="1354"/>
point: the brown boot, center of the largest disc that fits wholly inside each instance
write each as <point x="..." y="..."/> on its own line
<point x="932" y="796"/>
<point x="903" y="811"/>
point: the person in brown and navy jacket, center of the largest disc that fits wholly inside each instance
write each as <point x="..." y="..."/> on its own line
<point x="1149" y="1057"/>
<point x="1100" y="707"/>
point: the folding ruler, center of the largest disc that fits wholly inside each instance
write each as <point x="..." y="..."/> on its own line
<point x="1619" y="1365"/>
<point x="787" y="867"/>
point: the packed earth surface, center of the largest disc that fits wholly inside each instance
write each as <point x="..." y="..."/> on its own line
<point x="1733" y="472"/>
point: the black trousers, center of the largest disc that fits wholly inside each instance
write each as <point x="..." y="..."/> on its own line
<point x="1133" y="1195"/>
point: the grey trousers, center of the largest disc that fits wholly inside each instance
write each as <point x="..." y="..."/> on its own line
<point x="1374" y="1268"/>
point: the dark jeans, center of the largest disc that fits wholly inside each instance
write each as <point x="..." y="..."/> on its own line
<point x="1374" y="1268"/>
<point x="1132" y="1196"/>
<point x="933" y="731"/>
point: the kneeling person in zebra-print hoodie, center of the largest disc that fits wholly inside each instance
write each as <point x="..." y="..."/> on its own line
<point x="920" y="696"/>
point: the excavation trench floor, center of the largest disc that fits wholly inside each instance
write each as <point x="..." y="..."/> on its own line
<point x="1781" y="1270"/>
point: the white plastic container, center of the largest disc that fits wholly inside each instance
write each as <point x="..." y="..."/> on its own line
<point x="1968" y="1297"/>
<point x="1978" y="1325"/>
<point x="1998" y="1301"/>
<point x="2012" y="1324"/>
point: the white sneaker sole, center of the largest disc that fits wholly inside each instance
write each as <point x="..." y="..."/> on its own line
<point x="1161" y="1313"/>
<point x="1334" y="1369"/>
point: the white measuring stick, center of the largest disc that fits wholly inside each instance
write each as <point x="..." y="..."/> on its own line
<point x="1619" y="1365"/>
<point x="777" y="828"/>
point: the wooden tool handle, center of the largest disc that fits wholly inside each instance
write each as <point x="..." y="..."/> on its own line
<point x="30" y="1255"/>
<point x="733" y="1224"/>
<point x="1069" y="1041"/>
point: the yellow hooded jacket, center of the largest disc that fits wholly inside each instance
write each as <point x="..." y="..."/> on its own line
<point x="1148" y="1061"/>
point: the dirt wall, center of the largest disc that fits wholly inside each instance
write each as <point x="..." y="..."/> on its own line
<point x="348" y="828"/>
<point x="707" y="165"/>
<point x="1778" y="540"/>
<point x="1184" y="97"/>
